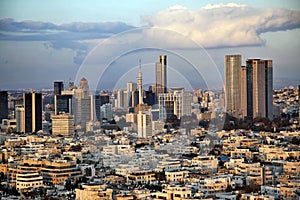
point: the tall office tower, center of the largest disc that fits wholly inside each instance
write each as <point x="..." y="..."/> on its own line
<point x="33" y="112"/>
<point x="100" y="99"/>
<point x="106" y="111"/>
<point x="233" y="64"/>
<point x="131" y="87"/>
<point x="134" y="98"/>
<point x="58" y="87"/>
<point x="3" y="105"/>
<point x="84" y="85"/>
<point x="63" y="103"/>
<point x="20" y="119"/>
<point x="269" y="88"/>
<point x="140" y="81"/>
<point x="259" y="88"/>
<point x="81" y="104"/>
<point x="176" y="102"/>
<point x="161" y="75"/>
<point x="62" y="124"/>
<point x="144" y="124"/>
<point x="243" y="91"/>
<point x="120" y="99"/>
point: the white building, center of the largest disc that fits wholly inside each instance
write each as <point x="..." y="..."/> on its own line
<point x="106" y="111"/>
<point x="144" y="124"/>
<point x="176" y="102"/>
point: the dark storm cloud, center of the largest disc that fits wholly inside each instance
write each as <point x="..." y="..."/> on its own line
<point x="64" y="36"/>
<point x="43" y="31"/>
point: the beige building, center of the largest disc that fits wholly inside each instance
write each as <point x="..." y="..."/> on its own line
<point x="140" y="177"/>
<point x="28" y="180"/>
<point x="260" y="176"/>
<point x="93" y="192"/>
<point x="174" y="192"/>
<point x="144" y="124"/>
<point x="233" y="64"/>
<point x="57" y="171"/>
<point x="20" y="119"/>
<point x="177" y="176"/>
<point x="209" y="163"/>
<point x="63" y="124"/>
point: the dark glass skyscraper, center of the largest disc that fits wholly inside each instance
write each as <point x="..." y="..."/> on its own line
<point x="63" y="103"/>
<point x="33" y="112"/>
<point x="100" y="99"/>
<point x="58" y="87"/>
<point x="3" y="105"/>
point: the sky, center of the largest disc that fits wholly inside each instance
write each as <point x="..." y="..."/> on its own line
<point x="44" y="41"/>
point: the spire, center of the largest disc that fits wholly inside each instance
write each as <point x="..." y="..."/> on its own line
<point x="140" y="81"/>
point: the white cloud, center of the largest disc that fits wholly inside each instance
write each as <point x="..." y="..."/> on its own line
<point x="222" y="25"/>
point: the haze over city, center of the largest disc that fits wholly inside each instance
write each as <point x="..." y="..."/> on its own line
<point x="45" y="41"/>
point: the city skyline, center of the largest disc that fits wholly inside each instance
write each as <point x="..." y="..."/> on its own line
<point x="39" y="48"/>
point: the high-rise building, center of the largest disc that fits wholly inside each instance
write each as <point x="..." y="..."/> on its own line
<point x="82" y="104"/>
<point x="243" y="91"/>
<point x="120" y="99"/>
<point x="269" y="88"/>
<point x="106" y="111"/>
<point x="161" y="75"/>
<point x="33" y="112"/>
<point x="62" y="124"/>
<point x="100" y="99"/>
<point x="249" y="89"/>
<point x="176" y="102"/>
<point x="233" y="64"/>
<point x="144" y="124"/>
<point x="259" y="88"/>
<point x="3" y="105"/>
<point x="63" y="103"/>
<point x="20" y="119"/>
<point x="131" y="87"/>
<point x="58" y="87"/>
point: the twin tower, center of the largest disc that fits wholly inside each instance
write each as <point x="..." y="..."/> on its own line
<point x="249" y="89"/>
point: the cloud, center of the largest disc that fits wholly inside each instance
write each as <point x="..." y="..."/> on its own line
<point x="225" y="25"/>
<point x="9" y="25"/>
<point x="64" y="36"/>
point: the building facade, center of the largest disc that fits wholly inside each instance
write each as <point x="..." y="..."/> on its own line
<point x="63" y="124"/>
<point x="3" y="105"/>
<point x="33" y="112"/>
<point x="161" y="75"/>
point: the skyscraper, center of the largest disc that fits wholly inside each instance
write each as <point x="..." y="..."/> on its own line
<point x="249" y="89"/>
<point x="131" y="87"/>
<point x="140" y="81"/>
<point x="63" y="103"/>
<point x="269" y="88"/>
<point x="82" y="104"/>
<point x="58" y="87"/>
<point x="3" y="105"/>
<point x="233" y="64"/>
<point x="20" y="119"/>
<point x="161" y="75"/>
<point x="260" y="88"/>
<point x="144" y="124"/>
<point x="33" y="112"/>
<point x="100" y="99"/>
